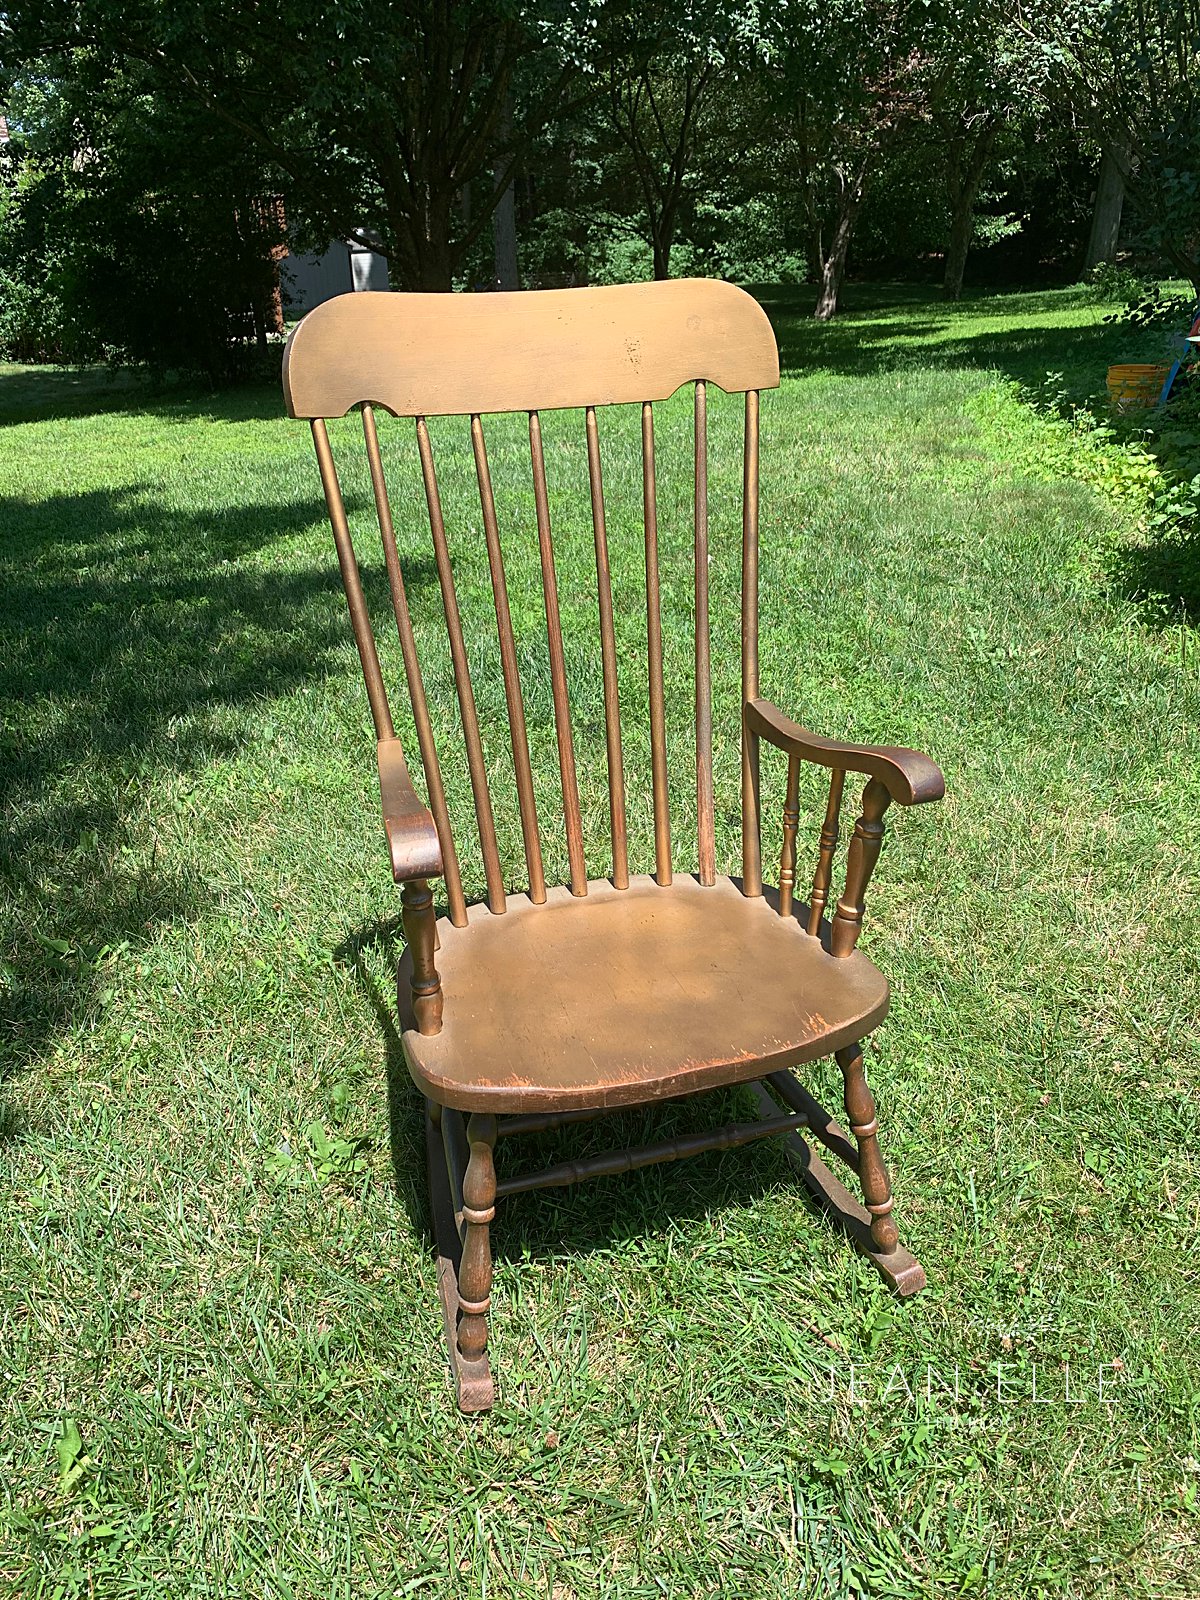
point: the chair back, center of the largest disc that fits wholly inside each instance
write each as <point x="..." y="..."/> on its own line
<point x="417" y="356"/>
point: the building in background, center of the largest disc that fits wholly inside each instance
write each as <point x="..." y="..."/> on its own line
<point x="310" y="280"/>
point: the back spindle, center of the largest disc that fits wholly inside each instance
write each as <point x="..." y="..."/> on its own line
<point x="608" y="660"/>
<point x="412" y="673"/>
<point x="654" y="641"/>
<point x="572" y="816"/>
<point x="462" y="677"/>
<point x="751" y="814"/>
<point x="360" y="622"/>
<point x="508" y="665"/>
<point x="705" y="825"/>
<point x="828" y="844"/>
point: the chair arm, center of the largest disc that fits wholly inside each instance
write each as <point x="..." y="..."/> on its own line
<point x="910" y="778"/>
<point x="412" y="837"/>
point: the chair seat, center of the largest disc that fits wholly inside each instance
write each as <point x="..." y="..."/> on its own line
<point x="622" y="997"/>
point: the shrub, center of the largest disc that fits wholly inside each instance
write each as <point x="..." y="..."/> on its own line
<point x="134" y="240"/>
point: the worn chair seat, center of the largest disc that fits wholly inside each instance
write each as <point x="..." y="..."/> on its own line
<point x="626" y="996"/>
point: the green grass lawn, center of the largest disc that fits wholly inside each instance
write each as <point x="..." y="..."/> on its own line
<point x="220" y="1346"/>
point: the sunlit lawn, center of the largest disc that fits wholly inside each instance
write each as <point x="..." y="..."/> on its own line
<point x="220" y="1346"/>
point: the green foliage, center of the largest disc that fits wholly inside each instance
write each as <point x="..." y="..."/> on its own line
<point x="747" y="140"/>
<point x="1132" y="68"/>
<point x="747" y="241"/>
<point x="72" y="1462"/>
<point x="370" y="113"/>
<point x="1116" y="280"/>
<point x="32" y="319"/>
<point x="1155" y="305"/>
<point x="791" y="142"/>
<point x="1167" y="190"/>
<point x="321" y="1158"/>
<point x="1074" y="441"/>
<point x="35" y="323"/>
<point x="132" y="232"/>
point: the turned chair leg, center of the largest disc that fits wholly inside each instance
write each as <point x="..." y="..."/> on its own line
<point x="475" y="1268"/>
<point x="864" y="1125"/>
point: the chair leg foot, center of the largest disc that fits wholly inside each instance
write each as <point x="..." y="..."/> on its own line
<point x="898" y="1267"/>
<point x="864" y="1125"/>
<point x="473" y="1383"/>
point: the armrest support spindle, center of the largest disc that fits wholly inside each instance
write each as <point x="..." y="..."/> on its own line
<point x="829" y="843"/>
<point x="791" y="821"/>
<point x="420" y="933"/>
<point x="865" y="845"/>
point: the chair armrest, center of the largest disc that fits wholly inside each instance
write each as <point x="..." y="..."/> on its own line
<point x="412" y="837"/>
<point x="910" y="778"/>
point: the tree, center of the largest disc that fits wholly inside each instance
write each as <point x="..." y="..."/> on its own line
<point x="373" y="115"/>
<point x="1132" y="70"/>
<point x="656" y="116"/>
<point x="849" y="76"/>
<point x="991" y="81"/>
<point x="129" y="230"/>
<point x="664" y="72"/>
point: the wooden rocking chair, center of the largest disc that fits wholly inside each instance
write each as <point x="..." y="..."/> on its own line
<point x="564" y="1002"/>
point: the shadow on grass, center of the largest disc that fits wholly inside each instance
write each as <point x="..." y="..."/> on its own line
<point x="866" y="340"/>
<point x="1162" y="578"/>
<point x="603" y="1212"/>
<point x="42" y="394"/>
<point x="132" y="628"/>
<point x="383" y="941"/>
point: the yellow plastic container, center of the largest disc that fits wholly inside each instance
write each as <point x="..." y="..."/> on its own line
<point x="1136" y="385"/>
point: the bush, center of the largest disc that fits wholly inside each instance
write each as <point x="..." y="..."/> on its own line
<point x="152" y="247"/>
<point x="31" y="321"/>
<point x="34" y="323"/>
<point x="1113" y="280"/>
<point x="1153" y="305"/>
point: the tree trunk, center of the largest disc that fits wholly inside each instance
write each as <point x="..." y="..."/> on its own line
<point x="962" y="226"/>
<point x="963" y="183"/>
<point x="833" y="267"/>
<point x="660" y="214"/>
<point x="662" y="209"/>
<point x="436" y="272"/>
<point x="504" y="241"/>
<point x="1106" y="218"/>
<point x="662" y="242"/>
<point x="504" y="218"/>
<point x="421" y="256"/>
<point x="814" y="251"/>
